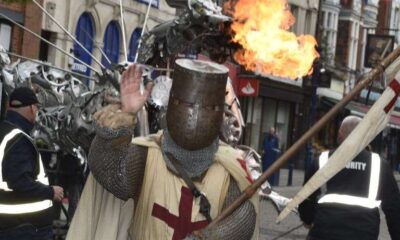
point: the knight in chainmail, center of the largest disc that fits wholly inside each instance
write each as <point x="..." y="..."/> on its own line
<point x="149" y="169"/>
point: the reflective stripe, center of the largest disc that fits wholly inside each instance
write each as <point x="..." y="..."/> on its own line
<point x="25" y="207"/>
<point x="369" y="202"/>
<point x="7" y="138"/>
<point x="4" y="186"/>
<point x="323" y="158"/>
<point x="375" y="175"/>
<point x="350" y="200"/>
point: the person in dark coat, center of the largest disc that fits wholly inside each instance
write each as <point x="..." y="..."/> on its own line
<point x="25" y="195"/>
<point x="271" y="152"/>
<point x="347" y="207"/>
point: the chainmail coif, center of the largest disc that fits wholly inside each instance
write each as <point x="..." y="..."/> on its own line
<point x="195" y="163"/>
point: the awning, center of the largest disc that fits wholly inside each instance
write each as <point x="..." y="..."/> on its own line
<point x="359" y="109"/>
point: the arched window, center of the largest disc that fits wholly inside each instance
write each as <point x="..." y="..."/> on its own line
<point x="84" y="33"/>
<point x="133" y="44"/>
<point x="111" y="43"/>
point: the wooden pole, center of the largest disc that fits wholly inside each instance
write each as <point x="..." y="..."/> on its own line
<point x="250" y="190"/>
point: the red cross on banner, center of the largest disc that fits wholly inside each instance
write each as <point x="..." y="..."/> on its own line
<point x="181" y="224"/>
<point x="395" y="86"/>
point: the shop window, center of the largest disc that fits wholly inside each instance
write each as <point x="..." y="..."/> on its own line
<point x="84" y="33"/>
<point x="5" y="36"/>
<point x="111" y="44"/>
<point x="263" y="114"/>
<point x="256" y="124"/>
<point x="269" y="116"/>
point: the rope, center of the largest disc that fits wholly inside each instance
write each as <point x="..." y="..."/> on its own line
<point x="143" y="29"/>
<point x="123" y="30"/>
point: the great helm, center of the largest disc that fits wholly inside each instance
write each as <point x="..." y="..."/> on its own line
<point x="196" y="103"/>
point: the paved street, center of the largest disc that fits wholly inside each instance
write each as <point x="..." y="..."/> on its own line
<point x="269" y="230"/>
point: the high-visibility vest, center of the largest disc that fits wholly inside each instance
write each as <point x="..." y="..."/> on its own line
<point x="369" y="201"/>
<point x="13" y="206"/>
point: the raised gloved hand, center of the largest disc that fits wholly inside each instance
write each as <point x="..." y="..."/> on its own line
<point x="132" y="100"/>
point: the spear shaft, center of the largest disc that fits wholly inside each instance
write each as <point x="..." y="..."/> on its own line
<point x="121" y="8"/>
<point x="143" y="29"/>
<point x="299" y="144"/>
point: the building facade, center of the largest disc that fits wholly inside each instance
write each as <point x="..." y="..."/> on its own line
<point x="281" y="103"/>
<point x="96" y="24"/>
<point x="365" y="27"/>
<point x="13" y="38"/>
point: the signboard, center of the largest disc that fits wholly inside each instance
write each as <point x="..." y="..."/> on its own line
<point x="154" y="3"/>
<point x="377" y="48"/>
<point x="78" y="67"/>
<point x="189" y="53"/>
<point x="248" y="87"/>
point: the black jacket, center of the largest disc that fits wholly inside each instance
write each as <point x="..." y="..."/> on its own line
<point x="333" y="221"/>
<point x="20" y="169"/>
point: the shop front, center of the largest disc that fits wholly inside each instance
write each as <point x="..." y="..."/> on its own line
<point x="277" y="105"/>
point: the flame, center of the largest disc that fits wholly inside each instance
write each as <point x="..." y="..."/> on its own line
<point x="261" y="28"/>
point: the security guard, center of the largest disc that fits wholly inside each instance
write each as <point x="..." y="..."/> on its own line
<point x="347" y="206"/>
<point x="25" y="194"/>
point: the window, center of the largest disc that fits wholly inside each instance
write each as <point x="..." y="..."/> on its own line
<point x="308" y="22"/>
<point x="111" y="44"/>
<point x="330" y="22"/>
<point x="353" y="45"/>
<point x="84" y="33"/>
<point x="295" y="13"/>
<point x="5" y="36"/>
<point x="133" y="45"/>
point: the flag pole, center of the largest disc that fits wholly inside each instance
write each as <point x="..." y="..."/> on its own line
<point x="299" y="144"/>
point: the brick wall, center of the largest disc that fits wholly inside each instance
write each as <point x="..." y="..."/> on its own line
<point x="23" y="42"/>
<point x="33" y="21"/>
<point x="16" y="40"/>
<point x="19" y="7"/>
<point x="342" y="47"/>
<point x="383" y="16"/>
<point x="347" y="3"/>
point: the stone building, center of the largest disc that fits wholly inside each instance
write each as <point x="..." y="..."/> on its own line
<point x="97" y="25"/>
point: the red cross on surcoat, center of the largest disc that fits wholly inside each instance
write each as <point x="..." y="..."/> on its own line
<point x="181" y="224"/>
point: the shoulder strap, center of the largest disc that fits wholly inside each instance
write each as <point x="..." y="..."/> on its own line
<point x="7" y="127"/>
<point x="205" y="206"/>
<point x="11" y="126"/>
<point x="12" y="143"/>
